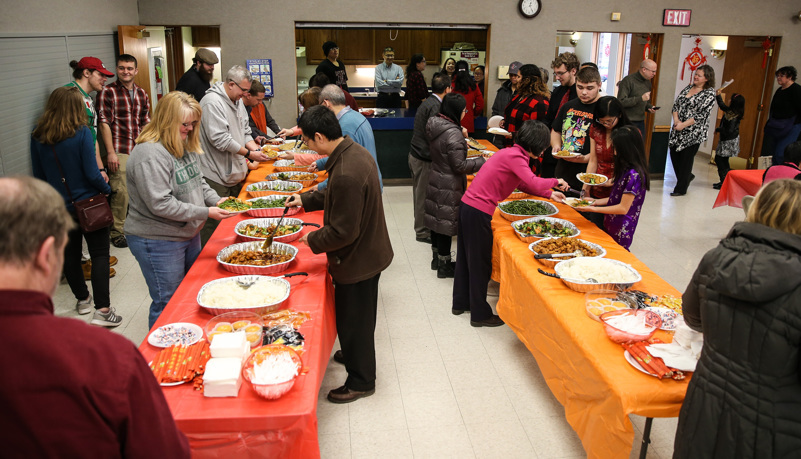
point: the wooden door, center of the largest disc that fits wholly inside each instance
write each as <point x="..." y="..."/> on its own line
<point x="356" y="46"/>
<point x="638" y="41"/>
<point x="314" y="44"/>
<point x="427" y="43"/>
<point x="744" y="58"/>
<point x="175" y="55"/>
<point x="399" y="40"/>
<point x="131" y="42"/>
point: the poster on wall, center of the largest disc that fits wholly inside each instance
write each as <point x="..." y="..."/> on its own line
<point x="262" y="70"/>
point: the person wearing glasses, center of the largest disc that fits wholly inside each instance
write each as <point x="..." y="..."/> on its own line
<point x="388" y="81"/>
<point x="634" y="92"/>
<point x="226" y="138"/>
<point x="565" y="67"/>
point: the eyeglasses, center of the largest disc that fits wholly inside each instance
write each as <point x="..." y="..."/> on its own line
<point x="559" y="73"/>
<point x="608" y="123"/>
<point x="652" y="71"/>
<point x="240" y="87"/>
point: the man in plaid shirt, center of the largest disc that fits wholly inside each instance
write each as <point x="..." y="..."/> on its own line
<point x="123" y="111"/>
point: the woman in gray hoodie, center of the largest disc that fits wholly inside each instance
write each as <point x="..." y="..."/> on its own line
<point x="169" y="200"/>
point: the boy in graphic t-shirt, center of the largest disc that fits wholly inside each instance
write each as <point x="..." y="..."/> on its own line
<point x="571" y="127"/>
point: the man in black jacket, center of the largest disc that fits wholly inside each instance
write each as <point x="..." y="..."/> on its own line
<point x="419" y="157"/>
<point x="197" y="80"/>
<point x="565" y="67"/>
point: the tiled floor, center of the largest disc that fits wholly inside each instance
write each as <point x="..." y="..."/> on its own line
<point x="446" y="389"/>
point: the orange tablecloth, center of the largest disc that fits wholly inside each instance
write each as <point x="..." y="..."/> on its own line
<point x="586" y="372"/>
<point x="250" y="426"/>
<point x="738" y="184"/>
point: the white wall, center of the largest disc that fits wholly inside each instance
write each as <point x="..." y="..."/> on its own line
<point x="707" y="43"/>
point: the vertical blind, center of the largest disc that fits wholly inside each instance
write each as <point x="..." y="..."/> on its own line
<point x="31" y="67"/>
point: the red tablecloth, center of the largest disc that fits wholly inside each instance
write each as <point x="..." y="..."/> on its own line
<point x="250" y="426"/>
<point x="738" y="184"/>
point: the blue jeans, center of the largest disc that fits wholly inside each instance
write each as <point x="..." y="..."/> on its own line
<point x="164" y="265"/>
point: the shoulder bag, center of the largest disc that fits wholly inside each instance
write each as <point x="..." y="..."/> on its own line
<point x="93" y="213"/>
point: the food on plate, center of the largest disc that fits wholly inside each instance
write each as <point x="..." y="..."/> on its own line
<point x="269" y="151"/>
<point x="233" y="295"/>
<point x="174" y="334"/>
<point x="474" y="143"/>
<point x="367" y="112"/>
<point x="602" y="305"/>
<point x="256" y="258"/>
<point x="592" y="179"/>
<point x="603" y="271"/>
<point x="564" y="153"/>
<point x="526" y="207"/>
<point x="296" y="177"/>
<point x="294" y="318"/>
<point x="240" y="324"/>
<point x="565" y="245"/>
<point x="179" y="364"/>
<point x="275" y="186"/>
<point x="264" y="231"/>
<point x="576" y="202"/>
<point x="224" y="327"/>
<point x="293" y="145"/>
<point x="544" y="228"/>
<point x="268" y="203"/>
<point x="669" y="302"/>
<point x="234" y="205"/>
<point x="652" y="365"/>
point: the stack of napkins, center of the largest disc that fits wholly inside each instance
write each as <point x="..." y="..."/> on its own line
<point x="223" y="377"/>
<point x="230" y="345"/>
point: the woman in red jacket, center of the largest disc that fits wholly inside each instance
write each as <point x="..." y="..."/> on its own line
<point x="463" y="84"/>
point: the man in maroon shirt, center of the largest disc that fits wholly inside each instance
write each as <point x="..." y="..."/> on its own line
<point x="68" y="389"/>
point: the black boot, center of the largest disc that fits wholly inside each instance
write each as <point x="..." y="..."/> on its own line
<point x="446" y="267"/>
<point x="434" y="260"/>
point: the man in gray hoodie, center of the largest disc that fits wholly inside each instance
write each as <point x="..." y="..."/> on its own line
<point x="226" y="138"/>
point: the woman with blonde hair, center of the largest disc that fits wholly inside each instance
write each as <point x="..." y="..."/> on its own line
<point x="169" y="200"/>
<point x="62" y="134"/>
<point x="744" y="399"/>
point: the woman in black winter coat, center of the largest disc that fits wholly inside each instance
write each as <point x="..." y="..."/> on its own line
<point x="447" y="180"/>
<point x="744" y="400"/>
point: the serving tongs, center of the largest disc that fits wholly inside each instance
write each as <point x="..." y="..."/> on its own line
<point x="546" y="273"/>
<point x="247" y="284"/>
<point x="268" y="241"/>
<point x="577" y="253"/>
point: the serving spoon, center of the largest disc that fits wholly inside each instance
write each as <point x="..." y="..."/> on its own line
<point x="545" y="273"/>
<point x="268" y="241"/>
<point x="577" y="253"/>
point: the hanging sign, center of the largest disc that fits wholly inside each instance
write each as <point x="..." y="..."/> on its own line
<point x="262" y="70"/>
<point x="677" y="18"/>
<point x="695" y="59"/>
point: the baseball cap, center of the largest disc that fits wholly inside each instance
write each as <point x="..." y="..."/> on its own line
<point x="207" y="56"/>
<point x="93" y="63"/>
<point x="514" y="68"/>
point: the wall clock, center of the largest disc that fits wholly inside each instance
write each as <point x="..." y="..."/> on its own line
<point x="530" y="8"/>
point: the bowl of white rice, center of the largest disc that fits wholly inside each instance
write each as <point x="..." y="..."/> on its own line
<point x="607" y="274"/>
<point x="265" y="295"/>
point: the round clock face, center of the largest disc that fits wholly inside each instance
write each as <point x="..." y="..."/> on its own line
<point x="530" y="8"/>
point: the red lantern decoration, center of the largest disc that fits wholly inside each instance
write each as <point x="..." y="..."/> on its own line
<point x="646" y="51"/>
<point x="695" y="59"/>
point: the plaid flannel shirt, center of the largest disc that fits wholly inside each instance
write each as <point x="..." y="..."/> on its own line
<point x="125" y="117"/>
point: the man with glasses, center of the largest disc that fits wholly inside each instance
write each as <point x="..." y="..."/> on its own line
<point x="123" y="110"/>
<point x="388" y="81"/>
<point x="226" y="138"/>
<point x="197" y="80"/>
<point x="564" y="68"/>
<point x="634" y="93"/>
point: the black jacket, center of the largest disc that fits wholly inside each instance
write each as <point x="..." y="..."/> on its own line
<point x="447" y="180"/>
<point x="502" y="98"/>
<point x="744" y="400"/>
<point x="426" y="110"/>
<point x="729" y="128"/>
<point x="192" y="84"/>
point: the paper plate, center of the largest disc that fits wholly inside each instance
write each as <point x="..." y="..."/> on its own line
<point x="170" y="335"/>
<point x="498" y="131"/>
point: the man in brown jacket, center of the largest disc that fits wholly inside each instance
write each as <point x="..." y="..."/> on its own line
<point x="354" y="237"/>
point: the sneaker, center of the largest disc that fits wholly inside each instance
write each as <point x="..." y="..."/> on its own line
<point x="108" y="319"/>
<point x="119" y="242"/>
<point x="85" y="306"/>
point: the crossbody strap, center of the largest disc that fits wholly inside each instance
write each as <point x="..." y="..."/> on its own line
<point x="61" y="171"/>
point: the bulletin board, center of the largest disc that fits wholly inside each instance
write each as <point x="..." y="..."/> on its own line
<point x="262" y="70"/>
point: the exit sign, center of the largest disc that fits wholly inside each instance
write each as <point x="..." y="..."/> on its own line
<point x="677" y="18"/>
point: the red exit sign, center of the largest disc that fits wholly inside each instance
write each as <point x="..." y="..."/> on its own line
<point x="677" y="18"/>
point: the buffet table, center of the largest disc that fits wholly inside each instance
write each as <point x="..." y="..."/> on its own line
<point x="739" y="183"/>
<point x="248" y="425"/>
<point x="585" y="371"/>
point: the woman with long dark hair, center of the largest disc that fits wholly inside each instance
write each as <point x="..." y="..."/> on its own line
<point x="690" y="125"/>
<point x="62" y="132"/>
<point x="729" y="129"/>
<point x="416" y="89"/>
<point x="449" y="67"/>
<point x="478" y="76"/>
<point x="623" y="206"/>
<point x="609" y="116"/>
<point x="463" y="84"/>
<point x="530" y="102"/>
<point x="447" y="180"/>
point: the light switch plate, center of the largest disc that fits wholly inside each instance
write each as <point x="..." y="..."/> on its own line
<point x="615" y="16"/>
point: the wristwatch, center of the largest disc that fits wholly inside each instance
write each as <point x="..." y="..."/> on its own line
<point x="104" y="170"/>
<point x="247" y="155"/>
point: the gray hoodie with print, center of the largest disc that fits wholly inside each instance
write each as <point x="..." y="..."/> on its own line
<point x="224" y="130"/>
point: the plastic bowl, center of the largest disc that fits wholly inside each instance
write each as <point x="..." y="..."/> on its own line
<point x="270" y="391"/>
<point x="236" y="321"/>
<point x="597" y="302"/>
<point x="621" y="336"/>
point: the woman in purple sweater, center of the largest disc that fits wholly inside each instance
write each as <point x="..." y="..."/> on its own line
<point x="500" y="175"/>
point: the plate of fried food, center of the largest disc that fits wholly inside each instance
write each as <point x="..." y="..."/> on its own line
<point x="592" y="179"/>
<point x="565" y="249"/>
<point x="565" y="154"/>
<point x="578" y="202"/>
<point x="250" y="258"/>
